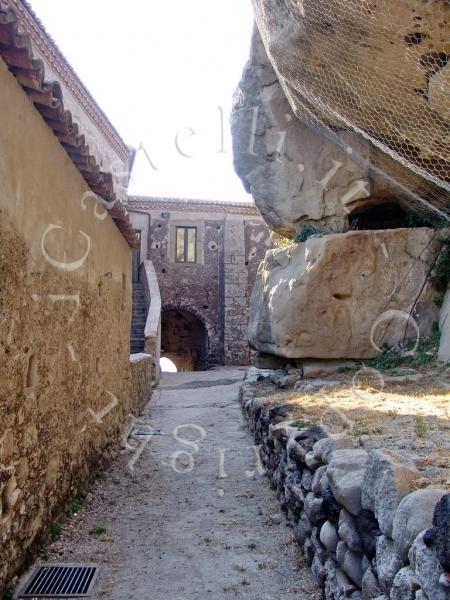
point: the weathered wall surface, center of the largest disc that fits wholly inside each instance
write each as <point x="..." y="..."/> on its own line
<point x="363" y="528"/>
<point x="65" y="310"/>
<point x="192" y="286"/>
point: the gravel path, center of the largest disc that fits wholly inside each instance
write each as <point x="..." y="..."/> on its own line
<point x="180" y="529"/>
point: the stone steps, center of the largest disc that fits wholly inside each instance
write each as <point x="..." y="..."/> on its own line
<point x="138" y="319"/>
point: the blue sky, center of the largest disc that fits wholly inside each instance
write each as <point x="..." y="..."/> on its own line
<point x="160" y="71"/>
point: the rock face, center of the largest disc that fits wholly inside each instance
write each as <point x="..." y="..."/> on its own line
<point x="321" y="298"/>
<point x="296" y="175"/>
<point x="444" y="326"/>
<point x="380" y="70"/>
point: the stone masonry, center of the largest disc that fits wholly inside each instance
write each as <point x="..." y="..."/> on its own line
<point x="236" y="298"/>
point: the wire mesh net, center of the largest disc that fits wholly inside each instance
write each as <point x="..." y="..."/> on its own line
<point x="379" y="68"/>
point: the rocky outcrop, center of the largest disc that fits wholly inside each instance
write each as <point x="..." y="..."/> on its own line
<point x="329" y="296"/>
<point x="295" y="174"/>
<point x="377" y="71"/>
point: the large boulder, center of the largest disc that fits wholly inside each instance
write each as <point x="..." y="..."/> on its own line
<point x="295" y="175"/>
<point x="388" y="563"/>
<point x="444" y="326"/>
<point x="322" y="298"/>
<point x="379" y="69"/>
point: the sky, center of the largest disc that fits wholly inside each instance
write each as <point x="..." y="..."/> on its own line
<point x="164" y="72"/>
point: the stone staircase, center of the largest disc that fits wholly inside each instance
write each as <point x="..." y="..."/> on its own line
<point x="138" y="319"/>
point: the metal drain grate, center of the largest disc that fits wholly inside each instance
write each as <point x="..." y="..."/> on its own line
<point x="60" y="581"/>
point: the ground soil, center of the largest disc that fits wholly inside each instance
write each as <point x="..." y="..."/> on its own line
<point x="161" y="534"/>
<point x="408" y="412"/>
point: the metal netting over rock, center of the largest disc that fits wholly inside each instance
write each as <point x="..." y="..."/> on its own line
<point x="379" y="69"/>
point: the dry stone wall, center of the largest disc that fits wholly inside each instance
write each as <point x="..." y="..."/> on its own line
<point x="363" y="528"/>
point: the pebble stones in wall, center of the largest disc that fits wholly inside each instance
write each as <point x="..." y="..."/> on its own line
<point x="363" y="528"/>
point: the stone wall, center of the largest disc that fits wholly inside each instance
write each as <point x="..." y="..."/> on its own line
<point x="142" y="379"/>
<point x="361" y="524"/>
<point x="235" y="296"/>
<point x="65" y="311"/>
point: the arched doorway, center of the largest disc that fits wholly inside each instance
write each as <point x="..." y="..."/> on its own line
<point x="184" y="339"/>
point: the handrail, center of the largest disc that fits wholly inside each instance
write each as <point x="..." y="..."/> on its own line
<point x="152" y="298"/>
<point x="152" y="331"/>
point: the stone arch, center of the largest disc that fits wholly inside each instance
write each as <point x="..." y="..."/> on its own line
<point x="184" y="337"/>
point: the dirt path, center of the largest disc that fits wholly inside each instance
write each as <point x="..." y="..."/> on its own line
<point x="178" y="533"/>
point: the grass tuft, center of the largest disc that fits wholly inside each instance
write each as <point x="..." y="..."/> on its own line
<point x="99" y="529"/>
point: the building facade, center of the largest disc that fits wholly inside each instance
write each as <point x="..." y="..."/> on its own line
<point x="206" y="255"/>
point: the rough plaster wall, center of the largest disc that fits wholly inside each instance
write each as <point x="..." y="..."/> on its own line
<point x="57" y="361"/>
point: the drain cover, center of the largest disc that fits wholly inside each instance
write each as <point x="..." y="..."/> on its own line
<point x="145" y="431"/>
<point x="60" y="581"/>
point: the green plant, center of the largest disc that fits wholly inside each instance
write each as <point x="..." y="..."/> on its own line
<point x="440" y="277"/>
<point x="55" y="531"/>
<point x="439" y="299"/>
<point x="8" y="595"/>
<point x="99" y="474"/>
<point x="43" y="552"/>
<point x="388" y="359"/>
<point x="424" y="354"/>
<point x="280" y="241"/>
<point x="417" y="220"/>
<point x="421" y="426"/>
<point x="306" y="232"/>
<point x="99" y="529"/>
<point x="76" y="505"/>
<point x="300" y="424"/>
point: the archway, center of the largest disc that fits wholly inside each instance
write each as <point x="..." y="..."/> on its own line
<point x="167" y="366"/>
<point x="184" y="339"/>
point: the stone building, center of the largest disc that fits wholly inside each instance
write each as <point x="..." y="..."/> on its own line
<point x="206" y="255"/>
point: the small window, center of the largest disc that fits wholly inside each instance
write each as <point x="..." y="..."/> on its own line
<point x="186" y="248"/>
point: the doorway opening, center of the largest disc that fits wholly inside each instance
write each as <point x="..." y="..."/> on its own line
<point x="184" y="339"/>
<point x="167" y="366"/>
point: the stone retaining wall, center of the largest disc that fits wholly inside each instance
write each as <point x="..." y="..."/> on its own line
<point x="142" y="380"/>
<point x="361" y="525"/>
